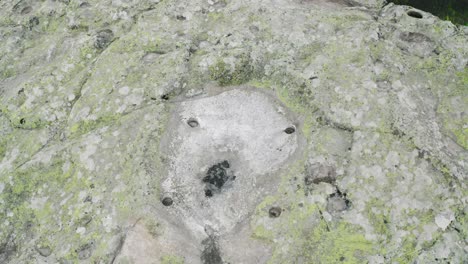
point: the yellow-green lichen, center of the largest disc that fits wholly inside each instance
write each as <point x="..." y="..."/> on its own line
<point x="171" y="259"/>
<point x="407" y="253"/>
<point x="153" y="227"/>
<point x="225" y="75"/>
<point x="344" y="243"/>
<point x="378" y="215"/>
<point x="85" y="126"/>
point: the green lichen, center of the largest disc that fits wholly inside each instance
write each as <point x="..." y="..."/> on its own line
<point x="377" y="213"/>
<point x="85" y="126"/>
<point x="3" y="148"/>
<point x="306" y="236"/>
<point x="225" y="76"/>
<point x="153" y="227"/>
<point x="18" y="191"/>
<point x="344" y="244"/>
<point x="171" y="259"/>
<point x="407" y="253"/>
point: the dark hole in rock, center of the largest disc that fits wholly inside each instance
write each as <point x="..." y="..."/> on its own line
<point x="342" y="258"/>
<point x="22" y="121"/>
<point x="274" y="212"/>
<point x="26" y="10"/>
<point x="290" y="130"/>
<point x="103" y="38"/>
<point x="167" y="201"/>
<point x="216" y="177"/>
<point x="165" y="97"/>
<point x="211" y="253"/>
<point x="453" y="10"/>
<point x="415" y="14"/>
<point x="180" y="17"/>
<point x="192" y="122"/>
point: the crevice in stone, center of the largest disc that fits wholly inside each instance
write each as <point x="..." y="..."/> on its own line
<point x="119" y="247"/>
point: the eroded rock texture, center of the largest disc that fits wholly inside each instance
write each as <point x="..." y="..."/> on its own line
<point x="271" y="131"/>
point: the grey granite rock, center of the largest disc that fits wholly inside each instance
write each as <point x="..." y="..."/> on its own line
<point x="323" y="131"/>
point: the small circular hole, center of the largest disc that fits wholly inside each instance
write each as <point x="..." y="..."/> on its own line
<point x="192" y="122"/>
<point x="274" y="212"/>
<point x="165" y="97"/>
<point x="22" y="121"/>
<point x="415" y="14"/>
<point x="290" y="130"/>
<point x="167" y="201"/>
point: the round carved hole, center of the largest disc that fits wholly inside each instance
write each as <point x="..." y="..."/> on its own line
<point x="274" y="212"/>
<point x="167" y="201"/>
<point x="415" y="14"/>
<point x="192" y="122"/>
<point x="290" y="130"/>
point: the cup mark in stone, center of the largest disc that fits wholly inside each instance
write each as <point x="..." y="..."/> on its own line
<point x="290" y="130"/>
<point x="192" y="122"/>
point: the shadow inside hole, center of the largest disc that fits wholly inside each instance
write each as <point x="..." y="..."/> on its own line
<point x="415" y="14"/>
<point x="274" y="212"/>
<point x="192" y="122"/>
<point x="167" y="201"/>
<point x="165" y="97"/>
<point x="290" y="130"/>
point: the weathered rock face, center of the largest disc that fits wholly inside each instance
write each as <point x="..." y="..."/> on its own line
<point x="278" y="131"/>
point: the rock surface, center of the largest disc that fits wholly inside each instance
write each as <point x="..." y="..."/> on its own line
<point x="272" y="131"/>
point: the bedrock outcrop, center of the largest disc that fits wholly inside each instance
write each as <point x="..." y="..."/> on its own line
<point x="272" y="131"/>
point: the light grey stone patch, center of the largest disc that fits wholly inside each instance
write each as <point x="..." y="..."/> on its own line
<point x="142" y="245"/>
<point x="243" y="129"/>
<point x="240" y="247"/>
<point x="242" y="126"/>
